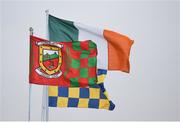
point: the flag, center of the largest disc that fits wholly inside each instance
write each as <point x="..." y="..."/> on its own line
<point x="113" y="48"/>
<point x="113" y="54"/>
<point x="80" y="97"/>
<point x="62" y="63"/>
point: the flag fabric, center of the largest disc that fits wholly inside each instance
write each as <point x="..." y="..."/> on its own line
<point x="63" y="63"/>
<point x="116" y="47"/>
<point x="113" y="54"/>
<point x="80" y="97"/>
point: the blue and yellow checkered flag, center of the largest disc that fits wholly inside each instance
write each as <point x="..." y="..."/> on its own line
<point x="81" y="97"/>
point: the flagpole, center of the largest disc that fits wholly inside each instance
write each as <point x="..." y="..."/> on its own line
<point x="45" y="108"/>
<point x="47" y="34"/>
<point x="29" y="109"/>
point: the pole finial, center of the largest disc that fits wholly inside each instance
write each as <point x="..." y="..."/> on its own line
<point x="47" y="11"/>
<point x="31" y="30"/>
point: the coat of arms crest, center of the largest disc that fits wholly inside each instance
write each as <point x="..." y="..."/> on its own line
<point x="50" y="59"/>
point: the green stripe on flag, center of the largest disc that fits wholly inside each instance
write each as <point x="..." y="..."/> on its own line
<point x="61" y="30"/>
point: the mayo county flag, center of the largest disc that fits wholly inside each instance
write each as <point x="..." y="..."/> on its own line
<point x="62" y="63"/>
<point x="113" y="48"/>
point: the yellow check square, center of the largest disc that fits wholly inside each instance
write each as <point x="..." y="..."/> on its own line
<point x="104" y="104"/>
<point x="73" y="92"/>
<point x="106" y="94"/>
<point x="94" y="93"/>
<point x="101" y="78"/>
<point x="83" y="103"/>
<point x="62" y="102"/>
<point x="53" y="90"/>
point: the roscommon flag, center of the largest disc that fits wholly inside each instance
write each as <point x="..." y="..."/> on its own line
<point x="81" y="97"/>
<point x="63" y="63"/>
<point x="113" y="48"/>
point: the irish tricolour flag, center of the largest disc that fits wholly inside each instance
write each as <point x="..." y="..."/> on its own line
<point x="113" y="48"/>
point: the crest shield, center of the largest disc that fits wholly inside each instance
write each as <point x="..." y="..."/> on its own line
<point x="50" y="59"/>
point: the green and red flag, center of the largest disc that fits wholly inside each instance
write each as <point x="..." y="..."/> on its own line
<point x="62" y="63"/>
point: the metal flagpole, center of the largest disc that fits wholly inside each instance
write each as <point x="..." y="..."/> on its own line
<point x="47" y="101"/>
<point x="43" y="104"/>
<point x="45" y="108"/>
<point x="29" y="109"/>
